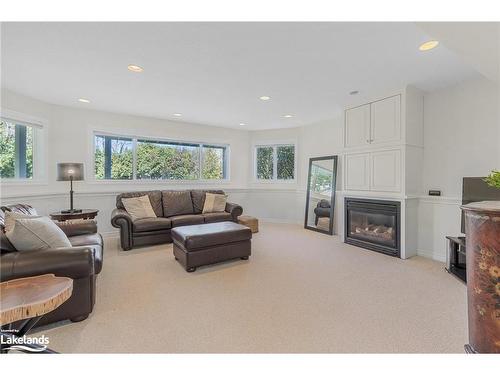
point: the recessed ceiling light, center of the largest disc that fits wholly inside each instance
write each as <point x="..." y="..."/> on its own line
<point x="242" y="124"/>
<point x="265" y="97"/>
<point x="82" y="100"/>
<point x="428" y="45"/>
<point x="355" y="92"/>
<point x="135" y="68"/>
<point x="177" y="114"/>
<point x="288" y="116"/>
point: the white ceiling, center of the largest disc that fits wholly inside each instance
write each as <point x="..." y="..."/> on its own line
<point x="214" y="73"/>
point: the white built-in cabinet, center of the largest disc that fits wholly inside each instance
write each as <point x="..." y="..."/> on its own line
<point x="373" y="171"/>
<point x="374" y="123"/>
<point x="385" y="120"/>
<point x="357" y="126"/>
<point x="357" y="167"/>
<point x="378" y="137"/>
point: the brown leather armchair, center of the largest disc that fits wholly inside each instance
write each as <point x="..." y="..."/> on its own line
<point x="82" y="262"/>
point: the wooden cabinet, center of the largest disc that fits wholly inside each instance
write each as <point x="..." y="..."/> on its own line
<point x="357" y="175"/>
<point x="373" y="171"/>
<point x="374" y="123"/>
<point x="357" y="126"/>
<point x="385" y="120"/>
<point x="385" y="170"/>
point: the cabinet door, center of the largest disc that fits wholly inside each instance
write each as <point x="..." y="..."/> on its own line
<point x="357" y="175"/>
<point x="386" y="120"/>
<point x="386" y="170"/>
<point x="357" y="126"/>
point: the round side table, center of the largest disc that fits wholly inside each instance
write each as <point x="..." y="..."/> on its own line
<point x="85" y="214"/>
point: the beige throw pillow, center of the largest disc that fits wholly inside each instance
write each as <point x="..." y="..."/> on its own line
<point x="36" y="233"/>
<point x="214" y="203"/>
<point x="138" y="207"/>
<point x="10" y="219"/>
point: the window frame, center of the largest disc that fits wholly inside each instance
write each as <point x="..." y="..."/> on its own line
<point x="40" y="152"/>
<point x="136" y="138"/>
<point x="275" y="178"/>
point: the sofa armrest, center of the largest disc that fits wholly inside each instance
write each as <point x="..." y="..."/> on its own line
<point x="78" y="228"/>
<point x="234" y="209"/>
<point x="120" y="218"/>
<point x="72" y="262"/>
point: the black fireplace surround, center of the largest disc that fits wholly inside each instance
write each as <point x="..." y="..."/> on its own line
<point x="373" y="224"/>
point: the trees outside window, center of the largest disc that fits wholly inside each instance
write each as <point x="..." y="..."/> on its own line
<point x="119" y="158"/>
<point x="16" y="150"/>
<point x="113" y="158"/>
<point x="265" y="163"/>
<point x="275" y="162"/>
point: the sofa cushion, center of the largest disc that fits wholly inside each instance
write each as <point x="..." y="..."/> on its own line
<point x="181" y="220"/>
<point x="94" y="242"/>
<point x="148" y="224"/>
<point x="154" y="198"/>
<point x="176" y="202"/>
<point x="201" y="236"/>
<point x="198" y="198"/>
<point x="214" y="217"/>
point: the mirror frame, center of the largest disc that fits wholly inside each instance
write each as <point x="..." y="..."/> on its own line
<point x="334" y="158"/>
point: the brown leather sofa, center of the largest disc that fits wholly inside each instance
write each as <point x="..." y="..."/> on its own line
<point x="82" y="263"/>
<point x="173" y="208"/>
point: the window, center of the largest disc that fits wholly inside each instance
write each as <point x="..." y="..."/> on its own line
<point x="113" y="158"/>
<point x="16" y="150"/>
<point x="275" y="162"/>
<point x="123" y="158"/>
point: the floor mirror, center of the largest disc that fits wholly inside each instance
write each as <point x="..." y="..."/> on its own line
<point x="320" y="199"/>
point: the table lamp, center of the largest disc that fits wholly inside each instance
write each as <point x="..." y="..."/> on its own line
<point x="70" y="172"/>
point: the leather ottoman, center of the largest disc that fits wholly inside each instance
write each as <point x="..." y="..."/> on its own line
<point x="199" y="245"/>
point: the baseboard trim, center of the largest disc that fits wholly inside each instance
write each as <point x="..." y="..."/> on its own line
<point x="432" y="255"/>
<point x="278" y="221"/>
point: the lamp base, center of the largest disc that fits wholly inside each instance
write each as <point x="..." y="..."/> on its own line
<point x="73" y="211"/>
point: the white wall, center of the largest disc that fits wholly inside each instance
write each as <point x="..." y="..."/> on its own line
<point x="461" y="139"/>
<point x="285" y="201"/>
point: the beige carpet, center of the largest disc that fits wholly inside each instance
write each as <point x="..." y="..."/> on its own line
<point x="301" y="291"/>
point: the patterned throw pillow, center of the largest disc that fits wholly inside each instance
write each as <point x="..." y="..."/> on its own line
<point x="214" y="203"/>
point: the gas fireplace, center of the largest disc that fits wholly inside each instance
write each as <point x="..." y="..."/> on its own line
<point x="373" y="224"/>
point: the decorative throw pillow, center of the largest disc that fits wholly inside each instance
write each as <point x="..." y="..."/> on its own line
<point x="10" y="219"/>
<point x="138" y="207"/>
<point x="36" y="233"/>
<point x="214" y="203"/>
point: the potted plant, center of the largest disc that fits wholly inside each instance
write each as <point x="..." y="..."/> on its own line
<point x="493" y="179"/>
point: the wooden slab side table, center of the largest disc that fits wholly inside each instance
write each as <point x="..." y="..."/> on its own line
<point x="29" y="299"/>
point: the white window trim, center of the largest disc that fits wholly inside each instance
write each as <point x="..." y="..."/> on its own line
<point x="90" y="176"/>
<point x="40" y="147"/>
<point x="274" y="144"/>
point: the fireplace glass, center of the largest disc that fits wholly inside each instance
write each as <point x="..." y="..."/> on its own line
<point x="373" y="224"/>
